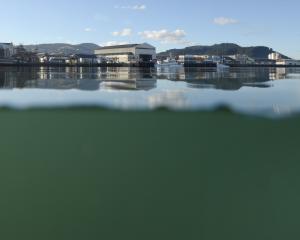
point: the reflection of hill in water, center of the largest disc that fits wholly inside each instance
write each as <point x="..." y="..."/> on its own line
<point x="232" y="79"/>
<point x="226" y="80"/>
<point x="138" y="79"/>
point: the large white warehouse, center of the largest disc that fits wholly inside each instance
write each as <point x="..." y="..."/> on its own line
<point x="130" y="53"/>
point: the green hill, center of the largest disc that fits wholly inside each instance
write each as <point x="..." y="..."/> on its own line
<point x="64" y="48"/>
<point x="221" y="49"/>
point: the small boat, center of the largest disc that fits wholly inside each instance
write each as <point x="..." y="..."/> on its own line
<point x="222" y="66"/>
<point x="168" y="63"/>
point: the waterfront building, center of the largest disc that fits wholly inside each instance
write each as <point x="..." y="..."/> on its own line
<point x="274" y="56"/>
<point x="233" y="59"/>
<point x="216" y="59"/>
<point x="191" y="59"/>
<point x="242" y="59"/>
<point x="83" y="59"/>
<point x="288" y="62"/>
<point x="43" y="57"/>
<point x="200" y="58"/>
<point x="6" y="50"/>
<point x="58" y="59"/>
<point x="229" y="60"/>
<point x="130" y="53"/>
<point x="263" y="61"/>
<point x="101" y="59"/>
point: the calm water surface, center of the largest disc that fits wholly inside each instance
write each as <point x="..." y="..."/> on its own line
<point x="256" y="91"/>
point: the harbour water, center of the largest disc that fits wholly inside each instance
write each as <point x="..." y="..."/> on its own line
<point x="271" y="92"/>
<point x="88" y="173"/>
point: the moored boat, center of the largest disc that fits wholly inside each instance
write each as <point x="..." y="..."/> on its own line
<point x="168" y="63"/>
<point x="221" y="66"/>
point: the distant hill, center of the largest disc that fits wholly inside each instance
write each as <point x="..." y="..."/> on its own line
<point x="217" y="49"/>
<point x="63" y="48"/>
<point x="221" y="49"/>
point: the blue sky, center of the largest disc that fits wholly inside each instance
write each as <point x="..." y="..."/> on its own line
<point x="165" y="24"/>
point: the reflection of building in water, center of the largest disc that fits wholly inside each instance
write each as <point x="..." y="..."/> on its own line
<point x="12" y="77"/>
<point x="284" y="73"/>
<point x="169" y="99"/>
<point x="83" y="78"/>
<point x="232" y="79"/>
<point x="129" y="85"/>
<point x="127" y="78"/>
<point x="5" y="80"/>
<point x="126" y="73"/>
<point x="173" y="74"/>
<point x="68" y="78"/>
<point x="49" y="78"/>
<point x="278" y="73"/>
<point x="227" y="80"/>
<point x="47" y="73"/>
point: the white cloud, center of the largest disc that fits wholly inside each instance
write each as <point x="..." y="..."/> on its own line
<point x="112" y="43"/>
<point x="139" y="7"/>
<point x="123" y="33"/>
<point x="164" y="36"/>
<point x="225" y="21"/>
<point x="88" y="29"/>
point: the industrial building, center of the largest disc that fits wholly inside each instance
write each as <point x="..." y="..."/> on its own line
<point x="283" y="61"/>
<point x="83" y="59"/>
<point x="191" y="59"/>
<point x="130" y="53"/>
<point x="274" y="56"/>
<point x="288" y="62"/>
<point x="6" y="50"/>
<point x="242" y="59"/>
<point x="233" y="59"/>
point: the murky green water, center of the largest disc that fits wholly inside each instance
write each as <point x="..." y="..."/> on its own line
<point x="257" y="91"/>
<point x="88" y="173"/>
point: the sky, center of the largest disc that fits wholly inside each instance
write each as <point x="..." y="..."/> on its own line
<point x="165" y="24"/>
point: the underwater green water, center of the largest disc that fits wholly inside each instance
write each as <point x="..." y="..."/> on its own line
<point x="95" y="174"/>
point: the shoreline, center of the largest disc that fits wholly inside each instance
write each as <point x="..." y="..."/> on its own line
<point x="140" y="65"/>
